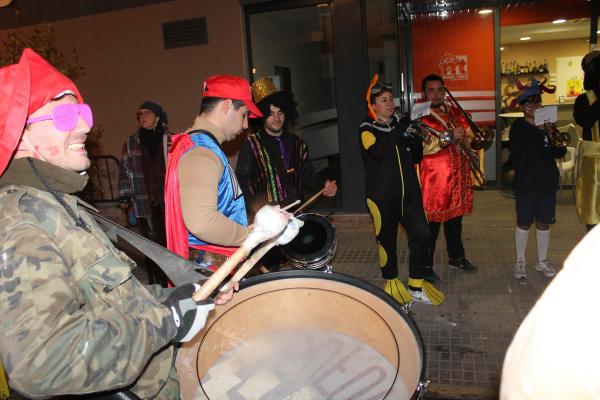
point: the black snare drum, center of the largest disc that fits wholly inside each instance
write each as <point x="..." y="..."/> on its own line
<point x="314" y="247"/>
<point x="305" y="335"/>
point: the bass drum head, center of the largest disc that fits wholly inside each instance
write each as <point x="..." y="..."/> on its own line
<point x="304" y="335"/>
<point x="313" y="243"/>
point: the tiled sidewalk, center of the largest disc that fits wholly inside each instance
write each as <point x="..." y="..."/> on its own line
<point x="465" y="338"/>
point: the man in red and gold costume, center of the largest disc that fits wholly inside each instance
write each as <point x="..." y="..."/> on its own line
<point x="445" y="175"/>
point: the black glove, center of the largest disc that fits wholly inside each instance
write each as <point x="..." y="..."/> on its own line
<point x="189" y="316"/>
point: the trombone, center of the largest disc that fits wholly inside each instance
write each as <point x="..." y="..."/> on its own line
<point x="482" y="137"/>
<point x="470" y="157"/>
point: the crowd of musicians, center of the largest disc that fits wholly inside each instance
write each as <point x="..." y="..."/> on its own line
<point x="75" y="319"/>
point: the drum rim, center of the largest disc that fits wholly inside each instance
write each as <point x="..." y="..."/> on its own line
<point x="330" y="239"/>
<point x="354" y="281"/>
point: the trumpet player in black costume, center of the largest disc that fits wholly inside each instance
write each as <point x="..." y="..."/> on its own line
<point x="534" y="156"/>
<point x="393" y="195"/>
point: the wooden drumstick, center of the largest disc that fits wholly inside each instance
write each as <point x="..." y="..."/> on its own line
<point x="224" y="270"/>
<point x="269" y="223"/>
<point x="307" y="202"/>
<point x="284" y="238"/>
<point x="290" y="205"/>
<point x="249" y="263"/>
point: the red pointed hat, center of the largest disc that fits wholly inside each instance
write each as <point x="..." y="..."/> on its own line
<point x="24" y="88"/>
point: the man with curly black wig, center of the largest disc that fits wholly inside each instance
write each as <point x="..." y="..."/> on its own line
<point x="273" y="166"/>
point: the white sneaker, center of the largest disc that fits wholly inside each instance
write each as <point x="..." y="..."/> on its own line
<point x="420" y="296"/>
<point x="545" y="268"/>
<point x="520" y="271"/>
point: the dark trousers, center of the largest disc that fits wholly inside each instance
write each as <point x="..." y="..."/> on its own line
<point x="453" y="235"/>
<point x="413" y="220"/>
<point x="153" y="228"/>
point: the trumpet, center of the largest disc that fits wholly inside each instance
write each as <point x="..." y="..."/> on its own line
<point x="555" y="137"/>
<point x="446" y="138"/>
<point x="482" y="137"/>
<point x="427" y="133"/>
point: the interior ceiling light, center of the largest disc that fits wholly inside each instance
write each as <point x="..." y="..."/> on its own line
<point x="486" y="11"/>
<point x="501" y="48"/>
<point x="525" y="38"/>
<point x="559" y="21"/>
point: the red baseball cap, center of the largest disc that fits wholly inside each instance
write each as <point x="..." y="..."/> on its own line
<point x="24" y="88"/>
<point x="231" y="87"/>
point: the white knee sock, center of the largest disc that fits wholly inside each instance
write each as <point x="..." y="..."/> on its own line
<point x="543" y="241"/>
<point x="521" y="243"/>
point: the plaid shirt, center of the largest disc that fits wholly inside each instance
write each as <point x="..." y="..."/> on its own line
<point x="132" y="184"/>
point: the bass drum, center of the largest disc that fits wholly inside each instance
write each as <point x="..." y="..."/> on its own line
<point x="305" y="335"/>
<point x="314" y="246"/>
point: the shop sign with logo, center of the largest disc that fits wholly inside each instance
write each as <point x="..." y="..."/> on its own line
<point x="453" y="67"/>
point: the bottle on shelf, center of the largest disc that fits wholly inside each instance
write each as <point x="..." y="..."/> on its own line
<point x="545" y="66"/>
<point x="534" y="68"/>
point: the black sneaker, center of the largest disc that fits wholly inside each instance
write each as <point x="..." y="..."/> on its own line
<point x="461" y="263"/>
<point x="430" y="275"/>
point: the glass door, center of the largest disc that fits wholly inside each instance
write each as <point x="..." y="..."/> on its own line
<point x="294" y="47"/>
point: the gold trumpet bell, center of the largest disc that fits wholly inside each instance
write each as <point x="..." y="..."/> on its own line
<point x="483" y="139"/>
<point x="556" y="137"/>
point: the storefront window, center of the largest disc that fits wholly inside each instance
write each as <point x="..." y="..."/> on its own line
<point x="458" y="45"/>
<point x="546" y="45"/>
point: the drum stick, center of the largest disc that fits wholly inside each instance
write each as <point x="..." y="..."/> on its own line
<point x="249" y="263"/>
<point x="269" y="222"/>
<point x="224" y="270"/>
<point x="307" y="202"/>
<point x="290" y="205"/>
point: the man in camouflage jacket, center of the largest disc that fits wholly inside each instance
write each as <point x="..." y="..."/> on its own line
<point x="74" y="319"/>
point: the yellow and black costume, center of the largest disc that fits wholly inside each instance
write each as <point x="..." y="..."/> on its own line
<point x="393" y="197"/>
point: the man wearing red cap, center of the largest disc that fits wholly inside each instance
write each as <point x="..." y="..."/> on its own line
<point x="205" y="208"/>
<point x="74" y="319"/>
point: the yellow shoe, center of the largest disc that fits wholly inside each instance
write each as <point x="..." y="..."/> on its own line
<point x="396" y="289"/>
<point x="427" y="294"/>
<point x="434" y="294"/>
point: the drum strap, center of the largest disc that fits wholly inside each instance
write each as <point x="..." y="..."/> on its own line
<point x="4" y="392"/>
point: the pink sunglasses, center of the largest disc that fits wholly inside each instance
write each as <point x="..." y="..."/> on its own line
<point x="65" y="116"/>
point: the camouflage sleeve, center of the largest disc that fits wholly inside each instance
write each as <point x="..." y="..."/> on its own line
<point x="65" y="334"/>
<point x="158" y="292"/>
